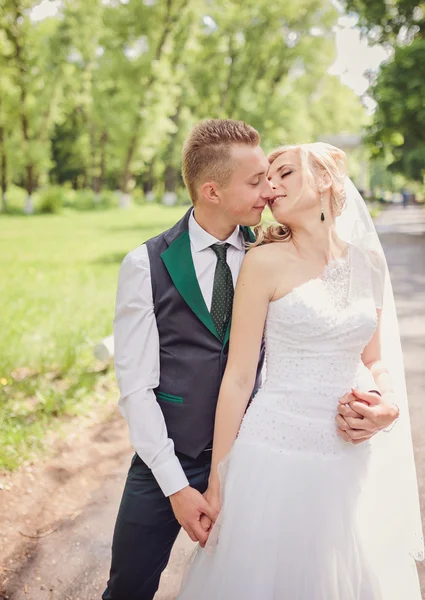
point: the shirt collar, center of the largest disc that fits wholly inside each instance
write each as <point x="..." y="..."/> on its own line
<point x="201" y="239"/>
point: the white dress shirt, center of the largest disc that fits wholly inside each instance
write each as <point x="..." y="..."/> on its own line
<point x="137" y="349"/>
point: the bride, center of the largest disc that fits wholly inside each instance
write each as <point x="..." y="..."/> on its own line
<point x="308" y="512"/>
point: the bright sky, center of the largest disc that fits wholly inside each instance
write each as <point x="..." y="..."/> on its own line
<point x="46" y="8"/>
<point x="354" y="55"/>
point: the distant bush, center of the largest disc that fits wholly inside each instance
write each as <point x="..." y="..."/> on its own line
<point x="138" y="196"/>
<point x="183" y="197"/>
<point x="15" y="197"/>
<point x="51" y="200"/>
<point x="84" y="200"/>
<point x="106" y="199"/>
<point x="87" y="199"/>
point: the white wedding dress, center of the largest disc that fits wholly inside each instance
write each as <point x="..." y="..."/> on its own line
<point x="292" y="524"/>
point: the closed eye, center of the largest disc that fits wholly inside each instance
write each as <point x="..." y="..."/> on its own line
<point x="285" y="174"/>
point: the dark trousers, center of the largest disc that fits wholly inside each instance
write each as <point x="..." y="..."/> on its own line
<point x="146" y="530"/>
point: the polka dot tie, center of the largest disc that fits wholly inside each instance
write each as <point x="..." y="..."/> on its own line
<point x="222" y="297"/>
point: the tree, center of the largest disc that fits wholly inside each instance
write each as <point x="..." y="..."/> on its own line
<point x="280" y="86"/>
<point x="141" y="39"/>
<point x="79" y="131"/>
<point x="8" y="117"/>
<point x="105" y="92"/>
<point x="398" y="130"/>
<point x="389" y="21"/>
<point x="397" y="134"/>
<point x="33" y="55"/>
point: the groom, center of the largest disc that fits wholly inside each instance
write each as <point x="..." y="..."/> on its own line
<point x="172" y="326"/>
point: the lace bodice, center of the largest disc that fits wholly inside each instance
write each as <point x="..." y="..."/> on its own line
<point x="315" y="336"/>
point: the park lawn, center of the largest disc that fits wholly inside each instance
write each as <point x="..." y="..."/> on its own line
<point x="58" y="284"/>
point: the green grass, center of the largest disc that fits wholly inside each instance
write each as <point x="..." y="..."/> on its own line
<point x="57" y="288"/>
<point x="58" y="276"/>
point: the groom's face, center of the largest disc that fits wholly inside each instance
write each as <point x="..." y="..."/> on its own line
<point x="246" y="194"/>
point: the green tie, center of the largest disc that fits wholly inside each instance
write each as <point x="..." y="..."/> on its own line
<point x="222" y="297"/>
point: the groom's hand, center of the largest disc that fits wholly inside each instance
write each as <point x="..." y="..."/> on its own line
<point x="213" y="499"/>
<point x="188" y="506"/>
<point x="363" y="414"/>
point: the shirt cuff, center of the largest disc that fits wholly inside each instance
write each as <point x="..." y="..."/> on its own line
<point x="170" y="476"/>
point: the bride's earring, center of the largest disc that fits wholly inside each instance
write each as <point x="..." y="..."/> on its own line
<point x="322" y="216"/>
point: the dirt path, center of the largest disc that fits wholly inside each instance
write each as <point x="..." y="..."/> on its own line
<point x="70" y="500"/>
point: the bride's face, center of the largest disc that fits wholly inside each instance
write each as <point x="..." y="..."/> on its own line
<point x="291" y="191"/>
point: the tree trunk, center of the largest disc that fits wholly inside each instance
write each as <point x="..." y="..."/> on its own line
<point x="3" y="160"/>
<point x="22" y="68"/>
<point x="83" y="183"/>
<point x="29" y="185"/>
<point x="169" y="23"/>
<point x="103" y="142"/>
<point x="171" y="170"/>
<point x="94" y="178"/>
<point x="99" y="173"/>
<point x="29" y="169"/>
<point x="128" y="158"/>
<point x="171" y="178"/>
<point x="148" y="183"/>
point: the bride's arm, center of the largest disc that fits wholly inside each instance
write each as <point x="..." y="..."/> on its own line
<point x="375" y="411"/>
<point x="371" y="358"/>
<point x="252" y="296"/>
<point x="387" y="412"/>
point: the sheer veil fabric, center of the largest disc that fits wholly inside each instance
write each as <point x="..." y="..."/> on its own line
<point x="391" y="489"/>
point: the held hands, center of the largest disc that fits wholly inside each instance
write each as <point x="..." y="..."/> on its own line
<point x="363" y="414"/>
<point x="213" y="498"/>
<point x="212" y="495"/>
<point x="189" y="506"/>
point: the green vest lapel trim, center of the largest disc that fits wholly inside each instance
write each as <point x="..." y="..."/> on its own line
<point x="227" y="334"/>
<point x="248" y="234"/>
<point x="179" y="264"/>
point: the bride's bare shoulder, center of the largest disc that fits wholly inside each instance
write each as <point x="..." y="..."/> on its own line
<point x="268" y="256"/>
<point x="268" y="262"/>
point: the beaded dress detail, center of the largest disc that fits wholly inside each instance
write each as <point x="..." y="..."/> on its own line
<point x="289" y="528"/>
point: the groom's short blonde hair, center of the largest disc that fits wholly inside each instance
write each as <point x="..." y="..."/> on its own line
<point x="207" y="151"/>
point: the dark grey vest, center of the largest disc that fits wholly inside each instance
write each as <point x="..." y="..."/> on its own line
<point x="192" y="357"/>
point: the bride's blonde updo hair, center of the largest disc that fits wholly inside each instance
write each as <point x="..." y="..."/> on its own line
<point x="317" y="159"/>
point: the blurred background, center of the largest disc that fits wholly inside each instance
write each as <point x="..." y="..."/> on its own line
<point x="96" y="99"/>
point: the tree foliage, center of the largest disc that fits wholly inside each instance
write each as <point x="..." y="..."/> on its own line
<point x="398" y="130"/>
<point x="388" y="21"/>
<point x="103" y="93"/>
